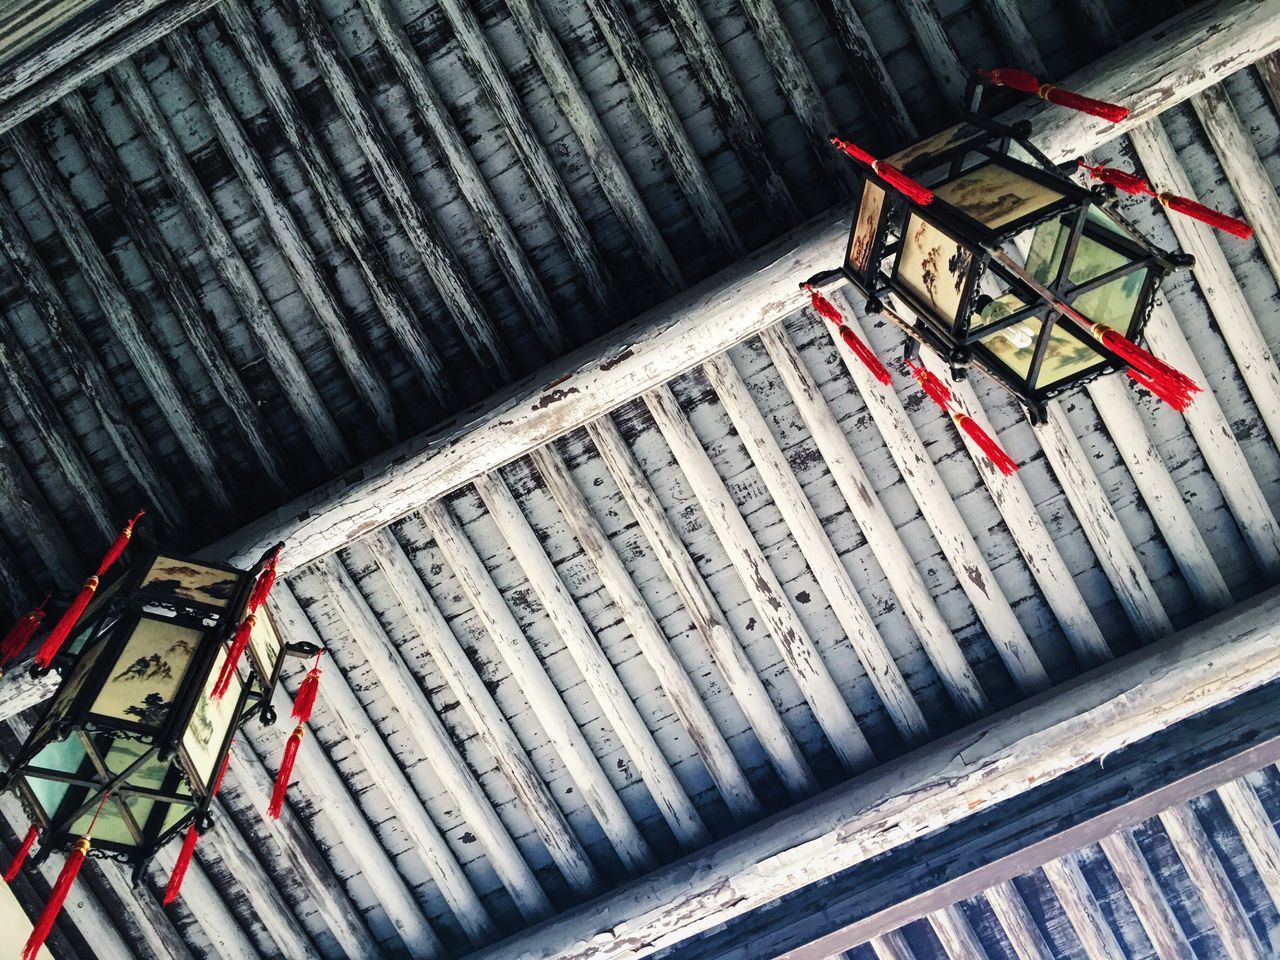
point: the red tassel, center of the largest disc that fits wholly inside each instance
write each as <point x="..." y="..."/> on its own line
<point x="1170" y="385"/>
<point x="20" y="634"/>
<point x="266" y="580"/>
<point x="1134" y="184"/>
<point x="1026" y="83"/>
<point x="20" y="857"/>
<point x="863" y="352"/>
<point x="117" y="546"/>
<point x="238" y="644"/>
<point x="987" y="444"/>
<point x="222" y="770"/>
<point x="180" y="866"/>
<point x="1176" y="399"/>
<point x="888" y="173"/>
<point x="286" y="771"/>
<point x="824" y="307"/>
<point x="57" y="897"/>
<point x="935" y="388"/>
<point x="66" y="623"/>
<point x="305" y="701"/>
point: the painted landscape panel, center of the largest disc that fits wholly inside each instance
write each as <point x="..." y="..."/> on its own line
<point x="994" y="195"/>
<point x="864" y="233"/>
<point x="148" y="672"/>
<point x="209" y="723"/>
<point x="934" y="267"/>
<point x="184" y="580"/>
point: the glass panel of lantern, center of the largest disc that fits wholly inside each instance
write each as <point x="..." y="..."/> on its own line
<point x="133" y="714"/>
<point x="983" y="265"/>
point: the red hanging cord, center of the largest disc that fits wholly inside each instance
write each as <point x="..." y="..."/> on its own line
<point x="20" y="634"/>
<point x="181" y="864"/>
<point x="228" y="671"/>
<point x="1133" y="184"/>
<point x="888" y="173"/>
<point x="21" y="855"/>
<point x="828" y="311"/>
<point x="286" y="771"/>
<point x="1024" y="82"/>
<point x="937" y="391"/>
<point x="222" y="770"/>
<point x="305" y="701"/>
<point x="1169" y="384"/>
<point x="67" y="622"/>
<point x="61" y="888"/>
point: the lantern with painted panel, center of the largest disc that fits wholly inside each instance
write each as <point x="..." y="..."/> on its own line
<point x="131" y="748"/>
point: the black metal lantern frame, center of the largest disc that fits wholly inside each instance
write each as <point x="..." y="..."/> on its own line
<point x="994" y="293"/>
<point x="134" y="764"/>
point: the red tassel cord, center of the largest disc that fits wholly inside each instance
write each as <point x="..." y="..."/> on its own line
<point x="20" y="634"/>
<point x="222" y="770"/>
<point x="180" y="865"/>
<point x="1169" y="384"/>
<point x="305" y="701"/>
<point x="67" y="622"/>
<point x="20" y="857"/>
<point x="941" y="395"/>
<point x="1024" y="82"/>
<point x="238" y="645"/>
<point x="1133" y="184"/>
<point x="62" y="887"/>
<point x="286" y="771"/>
<point x="828" y="311"/>
<point x="888" y="173"/>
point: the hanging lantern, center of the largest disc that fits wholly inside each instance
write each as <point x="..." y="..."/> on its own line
<point x="1011" y="266"/>
<point x="133" y="743"/>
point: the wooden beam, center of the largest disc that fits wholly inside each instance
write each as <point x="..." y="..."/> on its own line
<point x="344" y="711"/>
<point x="1257" y="832"/>
<point x="936" y="49"/>
<point x="462" y="168"/>
<point x="1091" y="928"/>
<point x="295" y="383"/>
<point x="993" y="760"/>
<point x="1150" y="73"/>
<point x="821" y="557"/>
<point x="958" y="938"/>
<point x="199" y="329"/>
<point x="1269" y="73"/>
<point x="1019" y="925"/>
<point x="24" y="509"/>
<point x="615" y="183"/>
<point x="142" y="921"/>
<point x="1006" y="23"/>
<point x="870" y="74"/>
<point x="494" y="732"/>
<point x="75" y="73"/>
<point x="127" y="327"/>
<point x="790" y="638"/>
<point x="741" y="678"/>
<point x="279" y="221"/>
<point x="654" y="104"/>
<point x="489" y="74"/>
<point x="683" y="697"/>
<point x="207" y="908"/>
<point x="19" y="691"/>
<point x="1148" y="900"/>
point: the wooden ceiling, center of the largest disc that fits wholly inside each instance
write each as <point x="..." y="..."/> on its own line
<point x="282" y="238"/>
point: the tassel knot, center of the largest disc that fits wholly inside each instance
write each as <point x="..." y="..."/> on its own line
<point x="938" y="392"/>
<point x="888" y="173"/>
<point x="1133" y="184"/>
<point x="1024" y="82"/>
<point x="828" y="311"/>
<point x="305" y="701"/>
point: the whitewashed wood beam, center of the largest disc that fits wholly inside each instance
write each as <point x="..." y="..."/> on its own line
<point x="1019" y="925"/>
<point x="1218" y="284"/>
<point x="892" y="946"/>
<point x="54" y="432"/>
<point x="338" y="819"/>
<point x="1257" y="832"/>
<point x="1212" y="884"/>
<point x="337" y="207"/>
<point x="344" y="710"/>
<point x="737" y="121"/>
<point x="882" y="537"/>
<point x="949" y="528"/>
<point x="126" y="325"/>
<point x="602" y="680"/>
<point x="19" y="690"/>
<point x="85" y="366"/>
<point x="405" y="197"/>
<point x="1007" y="24"/>
<point x="821" y="557"/>
<point x="199" y="329"/>
<point x="544" y="700"/>
<point x="993" y="760"/>
<point x="225" y="258"/>
<point x="474" y="189"/>
<point x="654" y="104"/>
<point x="101" y="58"/>
<point x="775" y="609"/>
<point x="489" y="74"/>
<point x="958" y="939"/>
<point x="741" y="678"/>
<point x="494" y="732"/>
<point x="936" y="49"/>
<point x="248" y="787"/>
<point x="1097" y="22"/>
<point x="284" y="229"/>
<point x="1218" y="445"/>
<point x="1101" y="526"/>
<point x="1034" y="541"/>
<point x="682" y="695"/>
<point x="1112" y="400"/>
<point x="1148" y="899"/>
<point x="800" y="89"/>
<point x="870" y="74"/>
<point x="1150" y="74"/>
<point x="614" y="180"/>
<point x="1072" y="890"/>
<point x="1269" y="74"/>
<point x="139" y="915"/>
<point x="1243" y="168"/>
<point x="206" y="906"/>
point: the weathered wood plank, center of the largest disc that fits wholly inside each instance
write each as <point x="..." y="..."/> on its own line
<point x="1143" y="891"/>
<point x="208" y="909"/>
<point x="1024" y="936"/>
<point x="1082" y="910"/>
<point x="1257" y="832"/>
<point x="939" y="54"/>
<point x="870" y="73"/>
<point x="958" y="938"/>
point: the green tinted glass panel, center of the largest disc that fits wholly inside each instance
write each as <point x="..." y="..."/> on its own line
<point x="109" y="827"/>
<point x="48" y="793"/>
<point x="1065" y="356"/>
<point x="66" y="755"/>
<point x="1114" y="302"/>
<point x="1048" y="244"/>
<point x="1092" y="260"/>
<point x="1015" y="346"/>
<point x="124" y="753"/>
<point x="997" y="309"/>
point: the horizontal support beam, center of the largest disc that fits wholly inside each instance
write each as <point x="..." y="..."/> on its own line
<point x="995" y="760"/>
<point x="709" y="318"/>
